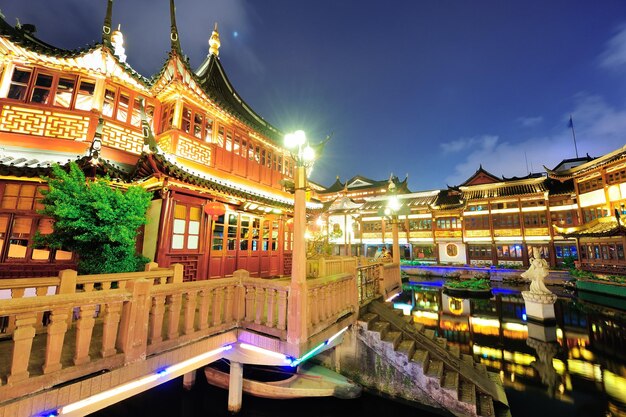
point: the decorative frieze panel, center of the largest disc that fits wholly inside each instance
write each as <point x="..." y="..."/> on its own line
<point x="165" y="143"/>
<point x="507" y="232"/>
<point x="122" y="138"/>
<point x="426" y="233"/>
<point x="536" y="231"/>
<point x="194" y="150"/>
<point x="372" y="235"/>
<point x="477" y="233"/>
<point x="448" y="233"/>
<point x="37" y="122"/>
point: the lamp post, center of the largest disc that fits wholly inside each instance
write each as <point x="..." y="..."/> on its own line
<point x="303" y="156"/>
<point x="392" y="211"/>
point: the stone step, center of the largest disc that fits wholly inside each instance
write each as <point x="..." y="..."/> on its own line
<point x="368" y="319"/>
<point x="450" y="382"/>
<point x="467" y="392"/>
<point x="407" y="347"/>
<point x="454" y="350"/>
<point x="481" y="368"/>
<point x="394" y="338"/>
<point x="421" y="358"/>
<point x="418" y="326"/>
<point x="484" y="406"/>
<point x="468" y="359"/>
<point x="435" y="369"/>
<point x="429" y="333"/>
<point x="441" y="341"/>
<point x="407" y="319"/>
<point x="381" y="327"/>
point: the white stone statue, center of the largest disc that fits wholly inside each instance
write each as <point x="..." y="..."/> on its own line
<point x="536" y="273"/>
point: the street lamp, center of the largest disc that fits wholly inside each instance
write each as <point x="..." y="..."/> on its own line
<point x="304" y="157"/>
<point x="394" y="209"/>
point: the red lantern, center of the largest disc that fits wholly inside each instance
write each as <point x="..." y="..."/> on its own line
<point x="214" y="209"/>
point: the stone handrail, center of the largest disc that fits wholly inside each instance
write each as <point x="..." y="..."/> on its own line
<point x="330" y="298"/>
<point x="367" y="280"/>
<point x="391" y="282"/>
<point x="322" y="267"/>
<point x="266" y="303"/>
<point x="61" y="337"/>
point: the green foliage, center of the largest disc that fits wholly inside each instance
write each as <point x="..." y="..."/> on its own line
<point x="579" y="273"/>
<point x="470" y="284"/>
<point x="97" y="222"/>
<point x="568" y="262"/>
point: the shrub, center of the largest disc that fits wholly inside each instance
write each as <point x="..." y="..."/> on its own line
<point x="94" y="220"/>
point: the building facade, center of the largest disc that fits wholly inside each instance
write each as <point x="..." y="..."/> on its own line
<point x="214" y="166"/>
<point x="486" y="220"/>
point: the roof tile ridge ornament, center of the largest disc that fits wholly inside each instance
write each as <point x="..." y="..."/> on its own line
<point x="149" y="143"/>
<point x="106" y="26"/>
<point x="214" y="42"/>
<point x="174" y="40"/>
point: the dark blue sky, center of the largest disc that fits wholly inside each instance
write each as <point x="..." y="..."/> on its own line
<point x="429" y="88"/>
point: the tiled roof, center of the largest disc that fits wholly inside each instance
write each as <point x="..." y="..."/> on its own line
<point x="602" y="227"/>
<point x="504" y="190"/>
<point x="448" y="199"/>
<point x="148" y="162"/>
<point x="582" y="169"/>
<point x="212" y="77"/>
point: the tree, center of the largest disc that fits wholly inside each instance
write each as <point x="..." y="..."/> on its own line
<point x="94" y="220"/>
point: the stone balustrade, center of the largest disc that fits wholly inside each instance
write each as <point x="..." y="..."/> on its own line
<point x="323" y="267"/>
<point x="96" y="323"/>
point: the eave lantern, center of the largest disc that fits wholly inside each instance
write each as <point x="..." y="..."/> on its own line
<point x="214" y="209"/>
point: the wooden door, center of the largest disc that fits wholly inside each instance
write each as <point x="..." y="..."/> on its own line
<point x="248" y="256"/>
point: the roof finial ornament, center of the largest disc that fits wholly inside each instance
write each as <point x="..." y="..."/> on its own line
<point x="175" y="42"/>
<point x="117" y="41"/>
<point x="18" y="24"/>
<point x="1" y="15"/>
<point x="106" y="26"/>
<point x="214" y="42"/>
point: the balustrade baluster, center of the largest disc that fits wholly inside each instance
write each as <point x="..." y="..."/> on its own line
<point x="271" y="308"/>
<point x="203" y="310"/>
<point x="260" y="304"/>
<point x="190" y="312"/>
<point x="22" y="344"/>
<point x="157" y="312"/>
<point x="282" y="310"/>
<point x="249" y="303"/>
<point x="84" y="330"/>
<point x="217" y="306"/>
<point x="174" y="303"/>
<point x="228" y="309"/>
<point x="88" y="287"/>
<point x="54" y="342"/>
<point x="109" y="328"/>
<point x="314" y="309"/>
<point x="106" y="285"/>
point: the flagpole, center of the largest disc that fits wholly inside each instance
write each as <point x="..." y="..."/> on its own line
<point x="571" y="124"/>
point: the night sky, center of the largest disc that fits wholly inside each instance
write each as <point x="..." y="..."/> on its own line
<point x="429" y="88"/>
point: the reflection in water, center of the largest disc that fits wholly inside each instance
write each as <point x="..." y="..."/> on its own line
<point x="576" y="366"/>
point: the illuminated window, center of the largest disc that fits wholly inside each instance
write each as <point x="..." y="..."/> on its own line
<point x="186" y="227"/>
<point x="84" y="96"/>
<point x="19" y="84"/>
<point x="109" y="102"/>
<point x="42" y="89"/>
<point x="21" y="197"/>
<point x="65" y="92"/>
<point x="218" y="234"/>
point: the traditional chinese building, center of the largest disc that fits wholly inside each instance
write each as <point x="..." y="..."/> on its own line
<point x="600" y="190"/>
<point x="486" y="220"/>
<point x="214" y="165"/>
